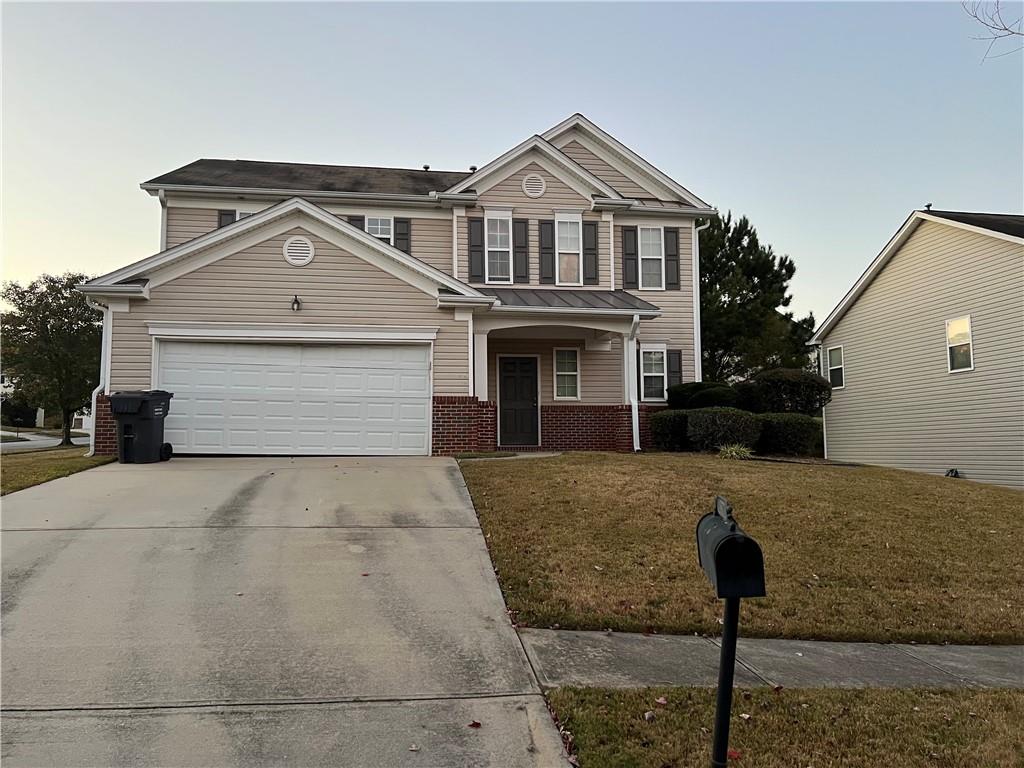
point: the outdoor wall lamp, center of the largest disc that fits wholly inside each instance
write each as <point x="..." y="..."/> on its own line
<point x="296" y="304"/>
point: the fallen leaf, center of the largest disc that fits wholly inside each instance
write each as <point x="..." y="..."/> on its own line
<point x="413" y="748"/>
<point x="744" y="716"/>
<point x="364" y="574"/>
<point x="661" y="700"/>
<point x="474" y="724"/>
<point x="649" y="716"/>
<point x="734" y="754"/>
<point x="777" y="688"/>
<point x="239" y="594"/>
<point x="598" y="568"/>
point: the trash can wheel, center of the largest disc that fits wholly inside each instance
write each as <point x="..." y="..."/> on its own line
<point x="166" y="451"/>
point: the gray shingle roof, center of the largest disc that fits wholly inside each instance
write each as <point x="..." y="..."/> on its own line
<point x="1007" y="223"/>
<point x="549" y="298"/>
<point x="302" y="177"/>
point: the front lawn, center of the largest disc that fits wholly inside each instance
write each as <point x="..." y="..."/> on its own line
<point x="863" y="728"/>
<point x="23" y="470"/>
<point x="595" y="541"/>
<point x="12" y="439"/>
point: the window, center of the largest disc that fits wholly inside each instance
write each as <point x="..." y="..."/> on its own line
<point x="226" y="217"/>
<point x="380" y="228"/>
<point x="567" y="374"/>
<point x="499" y="248"/>
<point x="654" y="373"/>
<point x="568" y="259"/>
<point x="959" y="347"/>
<point x="652" y="258"/>
<point x="835" y="371"/>
<point x="244" y="215"/>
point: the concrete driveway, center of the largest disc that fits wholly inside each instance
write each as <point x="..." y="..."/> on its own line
<point x="260" y="612"/>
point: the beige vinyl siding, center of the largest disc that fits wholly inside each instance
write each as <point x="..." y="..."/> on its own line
<point x="257" y="285"/>
<point x="184" y="224"/>
<point x="621" y="183"/>
<point x="674" y="327"/>
<point x="900" y="406"/>
<point x="432" y="242"/>
<point x="600" y="372"/>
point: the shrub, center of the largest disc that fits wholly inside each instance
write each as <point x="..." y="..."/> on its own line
<point x="723" y="396"/>
<point x="668" y="430"/>
<point x="14" y="414"/>
<point x="735" y="452"/>
<point x="679" y="395"/>
<point x="793" y="390"/>
<point x="709" y="428"/>
<point x="794" y="434"/>
<point x="748" y="396"/>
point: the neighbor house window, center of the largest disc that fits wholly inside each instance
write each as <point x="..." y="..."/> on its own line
<point x="379" y="228"/>
<point x="652" y="258"/>
<point x="654" y="372"/>
<point x="836" y="372"/>
<point x="226" y="217"/>
<point x="568" y="260"/>
<point x="499" y="248"/>
<point x="567" y="374"/>
<point x="959" y="348"/>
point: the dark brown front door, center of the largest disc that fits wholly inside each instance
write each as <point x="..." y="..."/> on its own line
<point x="517" y="394"/>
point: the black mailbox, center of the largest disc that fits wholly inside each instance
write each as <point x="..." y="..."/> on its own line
<point x="731" y="559"/>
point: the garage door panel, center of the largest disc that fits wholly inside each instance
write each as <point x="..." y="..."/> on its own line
<point x="297" y="399"/>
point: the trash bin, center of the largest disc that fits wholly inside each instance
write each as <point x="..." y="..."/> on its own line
<point x="140" y="425"/>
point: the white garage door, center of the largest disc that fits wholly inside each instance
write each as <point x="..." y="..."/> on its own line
<point x="296" y="398"/>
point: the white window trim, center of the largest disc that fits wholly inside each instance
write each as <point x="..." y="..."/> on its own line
<point x="572" y="218"/>
<point x="970" y="342"/>
<point x="663" y="348"/>
<point x="505" y="216"/>
<point x="391" y="227"/>
<point x="555" y="373"/>
<point x="829" y="368"/>
<point x="640" y="258"/>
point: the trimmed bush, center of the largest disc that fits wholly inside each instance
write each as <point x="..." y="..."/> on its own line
<point x="748" y="396"/>
<point x="793" y="434"/>
<point x="668" y="430"/>
<point x="679" y="395"/>
<point x="14" y="414"/>
<point x="793" y="390"/>
<point x="710" y="428"/>
<point x="723" y="396"/>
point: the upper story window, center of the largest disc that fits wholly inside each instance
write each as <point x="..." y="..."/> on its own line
<point x="654" y="371"/>
<point x="835" y="370"/>
<point x="498" y="258"/>
<point x="569" y="258"/>
<point x="959" y="346"/>
<point x="652" y="258"/>
<point x="226" y="217"/>
<point x="381" y="228"/>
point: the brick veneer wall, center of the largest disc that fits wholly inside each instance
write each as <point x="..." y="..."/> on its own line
<point x="463" y="424"/>
<point x="586" y="428"/>
<point x="105" y="428"/>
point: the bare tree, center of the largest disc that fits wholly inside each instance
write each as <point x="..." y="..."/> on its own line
<point x="989" y="14"/>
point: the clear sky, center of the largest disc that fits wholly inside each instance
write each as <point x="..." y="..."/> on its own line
<point x="824" y="123"/>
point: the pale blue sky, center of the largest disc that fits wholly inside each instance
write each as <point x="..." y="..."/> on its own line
<point x="824" y="123"/>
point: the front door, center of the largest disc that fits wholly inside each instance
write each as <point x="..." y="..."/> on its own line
<point x="517" y="397"/>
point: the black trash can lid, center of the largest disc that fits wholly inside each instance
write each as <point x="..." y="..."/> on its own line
<point x="126" y="402"/>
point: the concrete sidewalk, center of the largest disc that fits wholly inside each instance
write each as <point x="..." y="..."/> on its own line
<point x="624" y="660"/>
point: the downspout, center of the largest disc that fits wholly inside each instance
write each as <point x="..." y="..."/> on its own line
<point x="104" y="365"/>
<point x="163" y="220"/>
<point x="634" y="405"/>
<point x="698" y="352"/>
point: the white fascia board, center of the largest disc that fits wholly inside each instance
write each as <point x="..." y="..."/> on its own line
<point x="431" y="199"/>
<point x="119" y="291"/>
<point x="338" y="208"/>
<point x="578" y="121"/>
<point x="466" y="301"/>
<point x="479" y="181"/>
<point x="331" y="228"/>
<point x="171" y="329"/>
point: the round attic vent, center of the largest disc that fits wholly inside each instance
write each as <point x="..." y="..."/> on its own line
<point x="533" y="185"/>
<point x="298" y="251"/>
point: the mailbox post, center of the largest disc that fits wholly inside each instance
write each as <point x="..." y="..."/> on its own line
<point x="734" y="565"/>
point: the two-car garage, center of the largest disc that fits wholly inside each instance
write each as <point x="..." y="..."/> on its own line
<point x="296" y="398"/>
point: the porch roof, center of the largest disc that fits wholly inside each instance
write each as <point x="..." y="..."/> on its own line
<point x="560" y="298"/>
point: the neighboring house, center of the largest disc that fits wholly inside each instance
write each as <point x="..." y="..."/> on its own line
<point x="926" y="351"/>
<point x="7" y="389"/>
<point x="544" y="300"/>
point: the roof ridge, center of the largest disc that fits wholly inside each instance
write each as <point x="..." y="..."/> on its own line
<point x="328" y="165"/>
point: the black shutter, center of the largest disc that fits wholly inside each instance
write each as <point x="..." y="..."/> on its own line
<point x="476" y="250"/>
<point x="675" y="366"/>
<point x="225" y="217"/>
<point x="520" y="250"/>
<point x="403" y="235"/>
<point x="359" y="222"/>
<point x="672" y="258"/>
<point x="630" y="259"/>
<point x="547" y="251"/>
<point x="590" y="253"/>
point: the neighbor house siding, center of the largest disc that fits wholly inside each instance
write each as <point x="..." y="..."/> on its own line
<point x="183" y="224"/>
<point x="256" y="285"/>
<point x="621" y="183"/>
<point x="600" y="372"/>
<point x="900" y="406"/>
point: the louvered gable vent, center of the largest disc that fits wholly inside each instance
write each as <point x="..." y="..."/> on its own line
<point x="533" y="185"/>
<point x="298" y="251"/>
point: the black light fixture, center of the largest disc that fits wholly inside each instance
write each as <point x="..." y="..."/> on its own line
<point x="296" y="304"/>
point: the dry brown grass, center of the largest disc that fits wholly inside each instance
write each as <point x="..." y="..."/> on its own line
<point x="23" y="470"/>
<point x="594" y="541"/>
<point x="795" y="728"/>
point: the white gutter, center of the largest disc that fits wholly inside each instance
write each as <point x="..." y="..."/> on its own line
<point x="634" y="405"/>
<point x="646" y="314"/>
<point x="698" y="352"/>
<point x="432" y="199"/>
<point x="103" y="385"/>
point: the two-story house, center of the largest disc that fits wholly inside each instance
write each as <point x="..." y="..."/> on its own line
<point x="543" y="300"/>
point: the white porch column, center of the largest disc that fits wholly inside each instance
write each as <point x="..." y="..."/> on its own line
<point x="480" y="365"/>
<point x="629" y="372"/>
